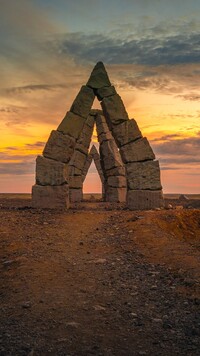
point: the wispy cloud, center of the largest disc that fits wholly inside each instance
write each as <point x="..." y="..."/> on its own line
<point x="174" y="49"/>
<point x="37" y="87"/>
<point x="190" y="97"/>
<point x="173" y="150"/>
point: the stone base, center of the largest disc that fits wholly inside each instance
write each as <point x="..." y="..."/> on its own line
<point x="75" y="195"/>
<point x="144" y="199"/>
<point x="115" y="195"/>
<point x="50" y="172"/>
<point x="50" y="197"/>
<point x="117" y="181"/>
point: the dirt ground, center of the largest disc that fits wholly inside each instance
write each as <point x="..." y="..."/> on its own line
<point x="99" y="280"/>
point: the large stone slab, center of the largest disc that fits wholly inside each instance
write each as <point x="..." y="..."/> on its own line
<point x="50" y="197"/>
<point x="59" y="147"/>
<point x="117" y="195"/>
<point x="143" y="175"/>
<point x="86" y="134"/>
<point x="126" y="132"/>
<point x="94" y="112"/>
<point x="50" y="172"/>
<point x="105" y="137"/>
<point x="75" y="195"/>
<point x="73" y="171"/>
<point x="86" y="167"/>
<point x="99" y="77"/>
<point x="71" y="125"/>
<point x="78" y="160"/>
<point x="110" y="155"/>
<point x="101" y="125"/>
<point x="136" y="151"/>
<point x="104" y="92"/>
<point x="75" y="182"/>
<point x="83" y="102"/>
<point x="144" y="199"/>
<point x="117" y="171"/>
<point x="114" y="110"/>
<point x="81" y="148"/>
<point x="116" y="181"/>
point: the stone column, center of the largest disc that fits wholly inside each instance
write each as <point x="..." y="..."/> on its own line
<point x="52" y="172"/>
<point x="142" y="171"/>
<point x="79" y="159"/>
<point x="112" y="166"/>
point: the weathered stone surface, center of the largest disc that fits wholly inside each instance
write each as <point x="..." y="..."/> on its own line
<point x="136" y="151"/>
<point x="73" y="171"/>
<point x="75" y="182"/>
<point x="117" y="171"/>
<point x="59" y="147"/>
<point x="105" y="137"/>
<point x="99" y="170"/>
<point x="117" y="195"/>
<point x="50" y="172"/>
<point x="90" y="120"/>
<point x="78" y="160"/>
<point x="75" y="195"/>
<point x="110" y="155"/>
<point x="83" y="102"/>
<point x="114" y="110"/>
<point x="86" y="167"/>
<point x="99" y="77"/>
<point x="101" y="125"/>
<point x="105" y="92"/>
<point x="126" y="132"/>
<point x="93" y="151"/>
<point x="51" y="197"/>
<point x="143" y="175"/>
<point x="85" y="136"/>
<point x="81" y="148"/>
<point x="71" y="125"/>
<point x="144" y="199"/>
<point x="116" y="181"/>
<point x="94" y="112"/>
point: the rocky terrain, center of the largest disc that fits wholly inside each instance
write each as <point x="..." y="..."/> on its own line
<point x="99" y="280"/>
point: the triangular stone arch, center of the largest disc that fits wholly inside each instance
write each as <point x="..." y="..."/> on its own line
<point x="60" y="167"/>
<point x="93" y="155"/>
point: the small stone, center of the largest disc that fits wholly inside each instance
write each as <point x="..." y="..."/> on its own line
<point x="26" y="305"/>
<point x="156" y="320"/>
<point x="134" y="315"/>
<point x="99" y="308"/>
<point x="73" y="324"/>
<point x="100" y="260"/>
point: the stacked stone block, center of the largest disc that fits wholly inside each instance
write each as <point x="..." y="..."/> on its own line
<point x="126" y="158"/>
<point x="53" y="175"/>
<point x="94" y="155"/>
<point x="78" y="161"/>
<point x="113" y="170"/>
<point x="144" y="189"/>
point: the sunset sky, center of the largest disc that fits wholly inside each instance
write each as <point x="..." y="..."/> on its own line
<point x="151" y="50"/>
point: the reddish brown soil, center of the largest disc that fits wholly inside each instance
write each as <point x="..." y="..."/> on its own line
<point x="96" y="281"/>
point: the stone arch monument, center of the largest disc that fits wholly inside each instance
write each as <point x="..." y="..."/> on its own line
<point x="125" y="162"/>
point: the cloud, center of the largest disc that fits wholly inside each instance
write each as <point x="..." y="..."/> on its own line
<point x="166" y="137"/>
<point x="190" y="97"/>
<point x="21" y="168"/>
<point x="174" y="49"/>
<point x="178" y="152"/>
<point x="37" y="87"/>
<point x="11" y="109"/>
